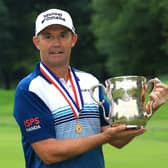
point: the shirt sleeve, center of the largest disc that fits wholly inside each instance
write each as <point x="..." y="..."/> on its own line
<point x="33" y="117"/>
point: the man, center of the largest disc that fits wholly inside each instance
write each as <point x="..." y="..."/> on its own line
<point x="61" y="125"/>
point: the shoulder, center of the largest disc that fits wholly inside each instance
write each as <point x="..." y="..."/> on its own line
<point x="27" y="80"/>
<point x="25" y="83"/>
<point x="85" y="76"/>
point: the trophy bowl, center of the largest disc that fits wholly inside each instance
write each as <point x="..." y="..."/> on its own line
<point x="126" y="96"/>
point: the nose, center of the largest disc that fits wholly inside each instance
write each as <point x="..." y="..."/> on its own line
<point x="56" y="41"/>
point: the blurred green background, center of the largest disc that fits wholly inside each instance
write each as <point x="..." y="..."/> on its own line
<point x="116" y="37"/>
<point x="148" y="150"/>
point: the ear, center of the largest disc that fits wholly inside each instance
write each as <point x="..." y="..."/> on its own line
<point x="36" y="42"/>
<point x="74" y="39"/>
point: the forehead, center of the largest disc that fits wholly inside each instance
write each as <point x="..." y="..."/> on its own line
<point x="55" y="28"/>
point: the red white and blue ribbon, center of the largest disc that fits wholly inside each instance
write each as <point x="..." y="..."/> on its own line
<point x="77" y="104"/>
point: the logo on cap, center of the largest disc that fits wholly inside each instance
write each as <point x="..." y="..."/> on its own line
<point x="51" y="16"/>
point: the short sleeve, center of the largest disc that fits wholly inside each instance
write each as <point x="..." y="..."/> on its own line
<point x="33" y="116"/>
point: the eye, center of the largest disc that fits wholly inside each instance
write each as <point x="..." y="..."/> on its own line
<point x="47" y="36"/>
<point x="63" y="34"/>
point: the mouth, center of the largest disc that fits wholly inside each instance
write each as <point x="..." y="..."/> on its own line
<point x="56" y="52"/>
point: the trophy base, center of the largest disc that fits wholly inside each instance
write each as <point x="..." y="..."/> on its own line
<point x="133" y="126"/>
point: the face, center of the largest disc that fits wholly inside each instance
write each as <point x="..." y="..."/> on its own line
<point x="55" y="43"/>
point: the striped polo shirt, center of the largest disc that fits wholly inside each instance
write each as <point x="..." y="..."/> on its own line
<point x="42" y="112"/>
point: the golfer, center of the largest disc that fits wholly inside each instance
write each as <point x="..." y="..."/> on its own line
<point x="61" y="126"/>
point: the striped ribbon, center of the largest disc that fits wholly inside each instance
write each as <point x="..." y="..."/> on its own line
<point x="77" y="104"/>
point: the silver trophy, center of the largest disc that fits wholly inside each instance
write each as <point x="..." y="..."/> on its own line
<point x="127" y="100"/>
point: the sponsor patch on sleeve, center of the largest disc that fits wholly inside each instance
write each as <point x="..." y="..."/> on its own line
<point x="32" y="124"/>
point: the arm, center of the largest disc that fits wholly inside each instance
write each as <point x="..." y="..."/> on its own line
<point x="54" y="150"/>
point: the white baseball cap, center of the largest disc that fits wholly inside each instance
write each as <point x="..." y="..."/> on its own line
<point x="51" y="17"/>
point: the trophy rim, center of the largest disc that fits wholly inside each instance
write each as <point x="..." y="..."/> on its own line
<point x="128" y="77"/>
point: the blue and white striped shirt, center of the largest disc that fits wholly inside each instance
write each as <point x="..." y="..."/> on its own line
<point x="42" y="113"/>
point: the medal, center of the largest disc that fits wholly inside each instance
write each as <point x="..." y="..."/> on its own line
<point x="75" y="103"/>
<point x="78" y="128"/>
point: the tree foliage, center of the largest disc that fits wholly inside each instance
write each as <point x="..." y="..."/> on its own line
<point x="133" y="35"/>
<point x="115" y="37"/>
<point x="18" y="55"/>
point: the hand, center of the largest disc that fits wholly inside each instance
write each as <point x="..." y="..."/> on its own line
<point x="119" y="135"/>
<point x="159" y="95"/>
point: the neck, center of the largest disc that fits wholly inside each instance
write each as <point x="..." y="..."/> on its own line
<point x="59" y="72"/>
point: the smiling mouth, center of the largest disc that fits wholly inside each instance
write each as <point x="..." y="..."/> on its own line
<point x="56" y="52"/>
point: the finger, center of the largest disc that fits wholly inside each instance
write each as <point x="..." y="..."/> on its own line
<point x="119" y="127"/>
<point x="153" y="96"/>
<point x="160" y="87"/>
<point x="158" y="98"/>
<point x="131" y="133"/>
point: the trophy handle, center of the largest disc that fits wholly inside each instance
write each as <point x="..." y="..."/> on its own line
<point x="100" y="103"/>
<point x="151" y="82"/>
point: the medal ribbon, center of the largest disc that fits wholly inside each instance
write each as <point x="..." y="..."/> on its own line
<point x="76" y="105"/>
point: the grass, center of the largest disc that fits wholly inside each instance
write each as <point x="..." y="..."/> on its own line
<point x="140" y="154"/>
<point x="11" y="151"/>
<point x="148" y="150"/>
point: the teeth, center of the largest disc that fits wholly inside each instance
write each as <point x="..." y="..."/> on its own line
<point x="56" y="52"/>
